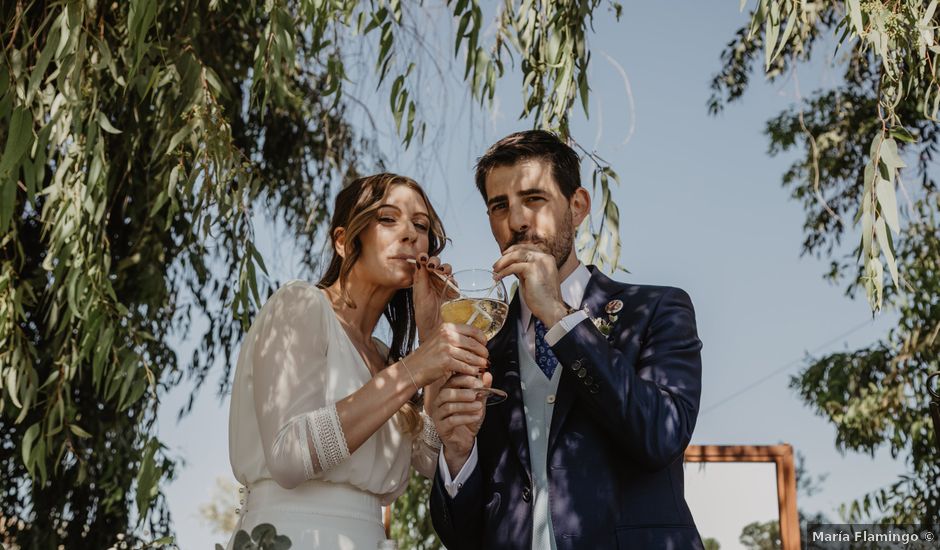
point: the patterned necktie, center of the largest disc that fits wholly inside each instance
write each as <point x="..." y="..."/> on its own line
<point x="544" y="357"/>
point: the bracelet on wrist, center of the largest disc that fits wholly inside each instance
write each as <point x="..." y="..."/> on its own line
<point x="402" y="360"/>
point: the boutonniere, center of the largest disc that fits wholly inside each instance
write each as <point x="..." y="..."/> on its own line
<point x="604" y="326"/>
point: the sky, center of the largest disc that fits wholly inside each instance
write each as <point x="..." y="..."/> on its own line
<point x="701" y="208"/>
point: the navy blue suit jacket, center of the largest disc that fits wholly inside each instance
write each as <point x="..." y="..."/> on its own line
<point x="624" y="413"/>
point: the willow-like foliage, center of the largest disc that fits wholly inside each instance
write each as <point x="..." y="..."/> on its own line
<point x="866" y="168"/>
<point x="138" y="139"/>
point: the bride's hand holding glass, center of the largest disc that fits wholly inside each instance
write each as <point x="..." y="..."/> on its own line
<point x="451" y="349"/>
<point x="427" y="291"/>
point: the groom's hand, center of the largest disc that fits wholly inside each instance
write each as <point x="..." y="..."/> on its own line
<point x="538" y="280"/>
<point x="458" y="414"/>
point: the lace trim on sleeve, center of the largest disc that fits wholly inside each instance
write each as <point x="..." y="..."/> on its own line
<point x="303" y="428"/>
<point x="429" y="434"/>
<point x="327" y="438"/>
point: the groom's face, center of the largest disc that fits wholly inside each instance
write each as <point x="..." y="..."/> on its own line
<point x="525" y="205"/>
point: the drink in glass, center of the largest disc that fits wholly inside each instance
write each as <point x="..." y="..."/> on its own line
<point x="481" y="303"/>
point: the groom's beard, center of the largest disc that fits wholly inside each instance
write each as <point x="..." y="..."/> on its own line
<point x="558" y="245"/>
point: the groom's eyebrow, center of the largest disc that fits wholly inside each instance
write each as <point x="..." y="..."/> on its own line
<point x="496" y="199"/>
<point x="523" y="193"/>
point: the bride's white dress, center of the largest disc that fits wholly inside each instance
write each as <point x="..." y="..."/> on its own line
<point x="286" y="443"/>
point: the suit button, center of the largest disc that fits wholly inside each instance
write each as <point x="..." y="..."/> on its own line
<point x="576" y="365"/>
<point x="550" y="399"/>
<point x="526" y="494"/>
<point x="582" y="373"/>
<point x="593" y="389"/>
<point x="589" y="381"/>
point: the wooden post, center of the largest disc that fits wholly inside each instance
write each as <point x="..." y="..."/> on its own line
<point x="786" y="495"/>
<point x="387" y="520"/>
<point x="782" y="457"/>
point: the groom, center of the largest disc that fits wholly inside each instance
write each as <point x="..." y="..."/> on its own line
<point x="603" y="380"/>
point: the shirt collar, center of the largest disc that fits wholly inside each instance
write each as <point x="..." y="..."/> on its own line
<point x="572" y="292"/>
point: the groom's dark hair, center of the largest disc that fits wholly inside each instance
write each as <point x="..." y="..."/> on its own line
<point x="532" y="144"/>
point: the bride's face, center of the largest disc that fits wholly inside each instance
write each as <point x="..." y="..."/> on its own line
<point x="398" y="233"/>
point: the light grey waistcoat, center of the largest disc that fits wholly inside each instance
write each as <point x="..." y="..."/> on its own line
<point x="538" y="397"/>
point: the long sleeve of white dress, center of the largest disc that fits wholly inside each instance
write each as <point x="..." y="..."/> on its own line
<point x="426" y="447"/>
<point x="300" y="430"/>
<point x="295" y="364"/>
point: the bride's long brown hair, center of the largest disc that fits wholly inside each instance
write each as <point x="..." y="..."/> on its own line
<point x="355" y="208"/>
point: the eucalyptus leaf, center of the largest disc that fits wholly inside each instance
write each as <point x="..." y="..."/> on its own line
<point x="39" y="70"/>
<point x="771" y="33"/>
<point x="146" y="479"/>
<point x="8" y="187"/>
<point x="791" y="20"/>
<point x="75" y="429"/>
<point x="855" y="15"/>
<point x="876" y="270"/>
<point x="882" y="233"/>
<point x="19" y="139"/>
<point x="868" y="221"/>
<point x="11" y="386"/>
<point x="887" y="200"/>
<point x="106" y="124"/>
<point x="29" y="438"/>
<point x="889" y="154"/>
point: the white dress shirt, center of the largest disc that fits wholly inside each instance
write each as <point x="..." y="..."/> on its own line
<point x="572" y="292"/>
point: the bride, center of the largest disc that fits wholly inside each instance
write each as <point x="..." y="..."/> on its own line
<point x="325" y="422"/>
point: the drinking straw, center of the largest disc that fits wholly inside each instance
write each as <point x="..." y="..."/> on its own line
<point x="443" y="278"/>
<point x="477" y="309"/>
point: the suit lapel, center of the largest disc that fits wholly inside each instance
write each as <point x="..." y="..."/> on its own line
<point x="600" y="290"/>
<point x="504" y="357"/>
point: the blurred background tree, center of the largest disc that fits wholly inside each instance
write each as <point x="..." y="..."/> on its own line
<point x="219" y="511"/>
<point x="761" y="535"/>
<point x="856" y="140"/>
